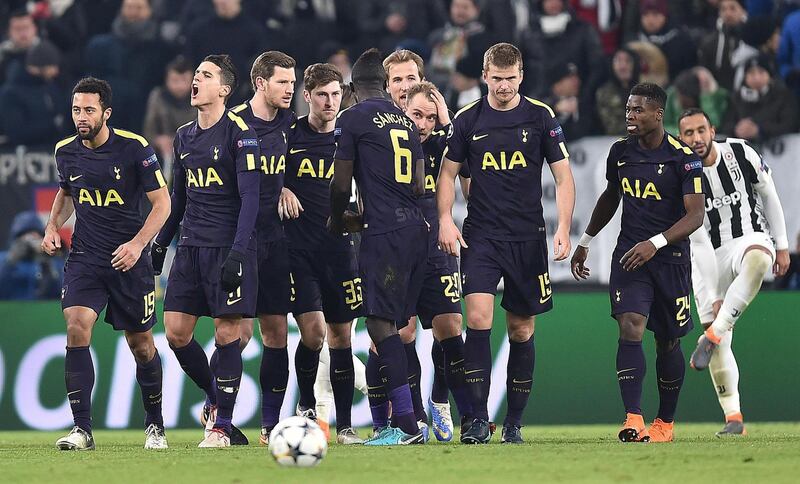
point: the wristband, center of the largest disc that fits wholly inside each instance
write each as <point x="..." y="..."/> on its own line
<point x="658" y="240"/>
<point x="585" y="239"/>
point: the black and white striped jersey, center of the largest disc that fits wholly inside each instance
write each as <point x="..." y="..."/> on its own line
<point x="733" y="204"/>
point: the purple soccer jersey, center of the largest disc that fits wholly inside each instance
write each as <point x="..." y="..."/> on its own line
<point x="106" y="185"/>
<point x="505" y="152"/>
<point x="652" y="184"/>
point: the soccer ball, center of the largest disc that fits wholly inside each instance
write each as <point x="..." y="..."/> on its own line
<point x="297" y="442"/>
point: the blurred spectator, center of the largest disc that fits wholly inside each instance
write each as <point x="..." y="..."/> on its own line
<point x="789" y="51"/>
<point x="763" y="107"/>
<point x="791" y="280"/>
<point x="25" y="271"/>
<point x="465" y="84"/>
<point x="562" y="39"/>
<point x="317" y="22"/>
<point x="716" y="47"/>
<point x="63" y="22"/>
<point x="34" y="100"/>
<point x="101" y="14"/>
<point x="22" y="35"/>
<point x="230" y="32"/>
<point x="604" y="16"/>
<point x="759" y="35"/>
<point x="613" y="95"/>
<point x="574" y="110"/>
<point x="132" y="59"/>
<point x="507" y="19"/>
<point x="386" y="24"/>
<point x="673" y="40"/>
<point x="695" y="88"/>
<point x="652" y="61"/>
<point x="168" y="107"/>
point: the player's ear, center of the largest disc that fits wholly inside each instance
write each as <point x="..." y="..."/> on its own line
<point x="260" y="81"/>
<point x="659" y="114"/>
<point x="225" y="91"/>
<point x="307" y="95"/>
<point x="106" y="114"/>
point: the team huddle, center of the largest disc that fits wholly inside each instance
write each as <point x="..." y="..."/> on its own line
<point x="267" y="223"/>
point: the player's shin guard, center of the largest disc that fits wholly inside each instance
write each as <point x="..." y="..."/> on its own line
<point x="453" y="349"/>
<point x="274" y="377"/>
<point x="670" y="370"/>
<point x="742" y="291"/>
<point x="193" y="360"/>
<point x="439" y="389"/>
<point x="395" y="367"/>
<point x="725" y="376"/>
<point x="228" y="377"/>
<point x="342" y="374"/>
<point x="149" y="377"/>
<point x="478" y="369"/>
<point x="631" y="368"/>
<point x="414" y="376"/>
<point x="376" y="392"/>
<point x="519" y="379"/>
<point x="306" y="363"/>
<point x="79" y="377"/>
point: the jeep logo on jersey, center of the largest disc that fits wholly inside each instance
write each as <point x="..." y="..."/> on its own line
<point x="719" y="202"/>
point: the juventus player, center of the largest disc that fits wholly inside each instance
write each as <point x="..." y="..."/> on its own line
<point x="733" y="252"/>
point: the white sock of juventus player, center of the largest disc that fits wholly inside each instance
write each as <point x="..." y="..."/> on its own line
<point x="725" y="375"/>
<point x="323" y="392"/>
<point x="742" y="291"/>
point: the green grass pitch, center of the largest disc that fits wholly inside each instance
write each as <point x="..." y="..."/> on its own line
<point x="591" y="453"/>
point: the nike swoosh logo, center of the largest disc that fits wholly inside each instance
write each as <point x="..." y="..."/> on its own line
<point x="471" y="371"/>
<point x="342" y="371"/>
<point x="514" y="380"/>
<point x="374" y="388"/>
<point x="228" y="380"/>
<point x="145" y="320"/>
<point x="292" y="151"/>
<point x="475" y="137"/>
<point x="454" y="363"/>
<point x="682" y="324"/>
<point x="184" y="155"/>
<point x="543" y="300"/>
<point x="240" y="271"/>
<point x="626" y="369"/>
<point x="73" y="178"/>
<point x="153" y="397"/>
<point x="670" y="381"/>
<point x="356" y="305"/>
<point x="278" y="390"/>
<point x="232" y="302"/>
<point x="70" y="393"/>
<point x="620" y="163"/>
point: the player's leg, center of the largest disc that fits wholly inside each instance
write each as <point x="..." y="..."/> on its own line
<point x="725" y="376"/>
<point x="631" y="369"/>
<point x="519" y="374"/>
<point x="323" y="391"/>
<point x="179" y="328"/>
<point x="408" y="335"/>
<point x="447" y="335"/>
<point x="306" y="359"/>
<point x="376" y="392"/>
<point x="440" y="394"/>
<point x="274" y="372"/>
<point x="342" y="378"/>
<point x="149" y="376"/>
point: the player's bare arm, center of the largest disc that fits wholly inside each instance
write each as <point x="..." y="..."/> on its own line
<point x="645" y="250"/>
<point x="565" y="205"/>
<point x="127" y="254"/>
<point x="449" y="236"/>
<point x="604" y="210"/>
<point x="62" y="210"/>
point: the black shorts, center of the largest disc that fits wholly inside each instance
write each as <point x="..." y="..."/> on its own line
<point x="274" y="281"/>
<point x="327" y="282"/>
<point x="130" y="295"/>
<point x="194" y="285"/>
<point x="441" y="289"/>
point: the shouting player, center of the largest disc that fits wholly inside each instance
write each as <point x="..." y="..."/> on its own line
<point x="215" y="197"/>
<point x="380" y="145"/>
<point x="733" y="252"/>
<point x="102" y="174"/>
<point x="659" y="182"/>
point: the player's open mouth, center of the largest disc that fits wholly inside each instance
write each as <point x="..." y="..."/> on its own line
<point x="195" y="90"/>
<point x="632" y="127"/>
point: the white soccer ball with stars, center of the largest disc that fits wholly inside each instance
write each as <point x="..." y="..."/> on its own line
<point x="297" y="442"/>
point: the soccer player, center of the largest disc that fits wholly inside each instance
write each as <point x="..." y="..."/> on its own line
<point x="504" y="139"/>
<point x="380" y="145"/>
<point x="102" y="174"/>
<point x="327" y="287"/>
<point x="215" y="198"/>
<point x="733" y="252"/>
<point x="267" y="112"/>
<point x="659" y="180"/>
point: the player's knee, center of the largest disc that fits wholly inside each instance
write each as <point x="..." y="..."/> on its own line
<point x="666" y="345"/>
<point x="479" y="319"/>
<point x="313" y="337"/>
<point x="631" y="328"/>
<point x="408" y="333"/>
<point x="339" y="336"/>
<point x="245" y="333"/>
<point x="447" y="326"/>
<point x="79" y="331"/>
<point x="520" y="334"/>
<point x="178" y="339"/>
<point x="757" y="262"/>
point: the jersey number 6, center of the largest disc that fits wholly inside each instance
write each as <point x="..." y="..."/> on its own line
<point x="402" y="156"/>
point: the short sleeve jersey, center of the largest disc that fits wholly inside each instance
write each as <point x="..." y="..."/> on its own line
<point x="383" y="144"/>
<point x="652" y="184"/>
<point x="505" y="152"/>
<point x="107" y="185"/>
<point x="211" y="159"/>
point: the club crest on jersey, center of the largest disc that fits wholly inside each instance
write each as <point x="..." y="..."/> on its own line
<point x="215" y="153"/>
<point x="433" y="161"/>
<point x="660" y="170"/>
<point x="114" y="171"/>
<point x="523" y="135"/>
<point x="149" y="161"/>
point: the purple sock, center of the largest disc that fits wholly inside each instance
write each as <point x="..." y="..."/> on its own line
<point x="478" y="369"/>
<point x="149" y="376"/>
<point x="414" y="371"/>
<point x="439" y="389"/>
<point x="631" y="368"/>
<point x="195" y="364"/>
<point x="376" y="392"/>
<point x="453" y="349"/>
<point x="393" y="360"/>
<point x="670" y="370"/>
<point x="306" y="362"/>
<point x="79" y="377"/>
<point x="343" y="383"/>
<point x="228" y="377"/>
<point x="273" y="378"/>
<point x="519" y="379"/>
<point x="212" y="363"/>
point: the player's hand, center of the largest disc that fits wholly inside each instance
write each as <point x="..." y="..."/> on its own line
<point x="352" y="222"/>
<point x="561" y="245"/>
<point x="232" y="270"/>
<point x="577" y="264"/>
<point x="158" y="253"/>
<point x="441" y="107"/>
<point x="289" y="205"/>
<point x="450" y="238"/>
<point x="51" y="241"/>
<point x="781" y="262"/>
<point x="126" y="255"/>
<point x="715" y="307"/>
<point x="638" y="255"/>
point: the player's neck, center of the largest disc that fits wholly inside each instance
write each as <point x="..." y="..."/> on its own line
<point x="370" y="93"/>
<point x="653" y="139"/>
<point x="261" y="109"/>
<point x="209" y="115"/>
<point x="711" y="157"/>
<point x="99" y="140"/>
<point x="319" y="125"/>
<point x="498" y="106"/>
